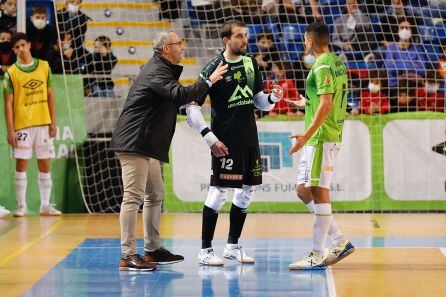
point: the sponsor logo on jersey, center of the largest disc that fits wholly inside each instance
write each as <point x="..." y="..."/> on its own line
<point x="327" y="80"/>
<point x="244" y="94"/>
<point x="231" y="176"/>
<point x="33" y="84"/>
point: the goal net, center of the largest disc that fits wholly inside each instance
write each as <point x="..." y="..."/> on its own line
<point x="393" y="151"/>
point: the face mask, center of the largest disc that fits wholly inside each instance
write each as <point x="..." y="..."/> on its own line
<point x="39" y="24"/>
<point x="405" y="34"/>
<point x="351" y="22"/>
<point x="431" y="88"/>
<point x="309" y="59"/>
<point x="14" y="14"/>
<point x="374" y="88"/>
<point x="72" y="8"/>
<point x="5" y="46"/>
<point x="65" y="46"/>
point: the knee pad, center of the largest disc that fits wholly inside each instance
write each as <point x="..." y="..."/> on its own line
<point x="216" y="198"/>
<point x="242" y="197"/>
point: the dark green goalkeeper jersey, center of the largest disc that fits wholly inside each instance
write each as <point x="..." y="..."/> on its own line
<point x="233" y="120"/>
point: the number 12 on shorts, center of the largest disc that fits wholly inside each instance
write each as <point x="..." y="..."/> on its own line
<point x="226" y="163"/>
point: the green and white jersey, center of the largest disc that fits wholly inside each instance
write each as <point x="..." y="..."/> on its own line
<point x="328" y="75"/>
<point x="232" y="105"/>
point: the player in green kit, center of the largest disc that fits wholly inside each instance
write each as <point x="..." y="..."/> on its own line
<point x="325" y="107"/>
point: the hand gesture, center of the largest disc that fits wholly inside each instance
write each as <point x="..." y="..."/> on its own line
<point x="219" y="149"/>
<point x="301" y="140"/>
<point x="218" y="73"/>
<point x="299" y="103"/>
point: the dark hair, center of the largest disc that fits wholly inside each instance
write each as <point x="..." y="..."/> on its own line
<point x="319" y="32"/>
<point x="3" y="30"/>
<point x="39" y="8"/>
<point x="226" y="30"/>
<point x="104" y="40"/>
<point x="266" y="35"/>
<point x="17" y="37"/>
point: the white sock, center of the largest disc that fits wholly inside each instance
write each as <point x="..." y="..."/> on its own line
<point x="334" y="232"/>
<point x="310" y="206"/>
<point x="322" y="221"/>
<point x="45" y="185"/>
<point x="232" y="246"/>
<point x="20" y="188"/>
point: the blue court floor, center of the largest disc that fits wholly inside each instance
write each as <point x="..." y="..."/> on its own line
<point x="92" y="270"/>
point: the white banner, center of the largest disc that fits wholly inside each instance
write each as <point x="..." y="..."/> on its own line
<point x="352" y="181"/>
<point x="415" y="160"/>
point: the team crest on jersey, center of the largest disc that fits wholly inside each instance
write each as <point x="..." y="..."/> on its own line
<point x="33" y="84"/>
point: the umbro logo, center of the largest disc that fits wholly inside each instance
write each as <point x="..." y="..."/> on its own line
<point x="33" y="84"/>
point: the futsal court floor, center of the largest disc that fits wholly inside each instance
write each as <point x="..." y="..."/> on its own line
<point x="78" y="255"/>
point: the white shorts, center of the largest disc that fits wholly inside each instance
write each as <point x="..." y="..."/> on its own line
<point x="317" y="164"/>
<point x="35" y="139"/>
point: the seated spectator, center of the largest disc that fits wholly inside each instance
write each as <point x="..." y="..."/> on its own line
<point x="268" y="52"/>
<point x="441" y="65"/>
<point x="374" y="99"/>
<point x="7" y="55"/>
<point x="404" y="58"/>
<point x="73" y="60"/>
<point x="277" y="76"/>
<point x="405" y="99"/>
<point x="353" y="30"/>
<point x="376" y="6"/>
<point x="251" y="11"/>
<point x="102" y="64"/>
<point x="299" y="11"/>
<point x="213" y="11"/>
<point x="399" y="11"/>
<point x="73" y="21"/>
<point x="8" y="19"/>
<point x="301" y="69"/>
<point x="42" y="35"/>
<point x="429" y="98"/>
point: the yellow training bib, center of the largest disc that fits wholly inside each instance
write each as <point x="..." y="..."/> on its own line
<point x="30" y="96"/>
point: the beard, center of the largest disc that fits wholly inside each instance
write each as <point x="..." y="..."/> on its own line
<point x="240" y="51"/>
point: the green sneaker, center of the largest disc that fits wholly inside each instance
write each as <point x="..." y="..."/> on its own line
<point x="311" y="262"/>
<point x="337" y="252"/>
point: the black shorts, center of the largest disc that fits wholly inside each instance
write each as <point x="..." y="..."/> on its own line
<point x="240" y="167"/>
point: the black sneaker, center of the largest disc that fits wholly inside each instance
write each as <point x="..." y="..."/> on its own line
<point x="162" y="256"/>
<point x="135" y="262"/>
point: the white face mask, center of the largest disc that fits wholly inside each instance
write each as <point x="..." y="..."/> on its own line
<point x="431" y="88"/>
<point x="73" y="8"/>
<point x="65" y="46"/>
<point x="405" y="34"/>
<point x="14" y="14"/>
<point x="39" y="24"/>
<point x="309" y="59"/>
<point x="351" y="22"/>
<point x="374" y="88"/>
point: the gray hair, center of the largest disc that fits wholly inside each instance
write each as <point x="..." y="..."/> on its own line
<point x="160" y="40"/>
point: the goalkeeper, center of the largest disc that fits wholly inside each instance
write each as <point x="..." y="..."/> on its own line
<point x="233" y="140"/>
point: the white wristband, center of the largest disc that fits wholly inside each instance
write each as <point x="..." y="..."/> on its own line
<point x="210" y="138"/>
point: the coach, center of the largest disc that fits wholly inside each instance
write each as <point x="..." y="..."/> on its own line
<point x="142" y="139"/>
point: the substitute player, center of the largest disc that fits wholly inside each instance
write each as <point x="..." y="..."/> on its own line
<point x="326" y="101"/>
<point x="233" y="140"/>
<point x="30" y="121"/>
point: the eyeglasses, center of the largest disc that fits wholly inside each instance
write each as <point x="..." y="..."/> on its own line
<point x="177" y="43"/>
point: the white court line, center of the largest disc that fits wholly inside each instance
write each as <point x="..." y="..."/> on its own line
<point x="443" y="250"/>
<point x="330" y="283"/>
